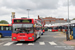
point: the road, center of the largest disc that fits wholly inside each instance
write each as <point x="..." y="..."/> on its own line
<point x="48" y="41"/>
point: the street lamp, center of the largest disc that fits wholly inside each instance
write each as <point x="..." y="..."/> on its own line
<point x="28" y="12"/>
<point x="68" y="22"/>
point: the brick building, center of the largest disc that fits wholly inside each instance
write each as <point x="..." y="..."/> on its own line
<point x="52" y="20"/>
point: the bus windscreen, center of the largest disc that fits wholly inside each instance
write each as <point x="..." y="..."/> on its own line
<point x="22" y="28"/>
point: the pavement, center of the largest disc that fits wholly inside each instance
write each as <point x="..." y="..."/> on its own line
<point x="48" y="41"/>
<point x="71" y="42"/>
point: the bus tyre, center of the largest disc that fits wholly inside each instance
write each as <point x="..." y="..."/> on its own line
<point x="0" y="35"/>
<point x="39" y="37"/>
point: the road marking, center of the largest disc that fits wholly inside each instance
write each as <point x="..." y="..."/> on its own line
<point x="52" y="43"/>
<point x="41" y="43"/>
<point x="8" y="44"/>
<point x="30" y="44"/>
<point x="19" y="44"/>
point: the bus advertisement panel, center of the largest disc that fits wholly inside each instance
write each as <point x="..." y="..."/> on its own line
<point x="24" y="30"/>
<point x="5" y="30"/>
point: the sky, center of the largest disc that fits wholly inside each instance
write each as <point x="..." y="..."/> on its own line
<point x="43" y="8"/>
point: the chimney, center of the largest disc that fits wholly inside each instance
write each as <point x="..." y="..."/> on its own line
<point x="38" y="17"/>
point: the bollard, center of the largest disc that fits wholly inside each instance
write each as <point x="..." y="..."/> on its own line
<point x="70" y="37"/>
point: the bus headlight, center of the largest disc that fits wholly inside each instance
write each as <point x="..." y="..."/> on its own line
<point x="30" y="38"/>
<point x="14" y="37"/>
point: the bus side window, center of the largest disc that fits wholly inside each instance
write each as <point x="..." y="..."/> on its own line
<point x="4" y="27"/>
<point x="37" y="28"/>
<point x="7" y="28"/>
<point x="1" y="27"/>
<point x="10" y="28"/>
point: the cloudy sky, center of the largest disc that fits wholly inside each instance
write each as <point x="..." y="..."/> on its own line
<point x="44" y="8"/>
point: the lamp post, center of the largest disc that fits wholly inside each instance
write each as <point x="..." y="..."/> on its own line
<point x="68" y="22"/>
<point x="28" y="12"/>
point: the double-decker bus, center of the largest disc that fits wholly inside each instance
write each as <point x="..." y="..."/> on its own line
<point x="5" y="30"/>
<point x="42" y="24"/>
<point x="25" y="29"/>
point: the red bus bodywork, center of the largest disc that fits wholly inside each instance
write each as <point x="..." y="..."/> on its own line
<point x="24" y="36"/>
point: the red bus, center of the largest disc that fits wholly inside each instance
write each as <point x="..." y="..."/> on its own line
<point x="54" y="28"/>
<point x="25" y="29"/>
<point x="64" y="28"/>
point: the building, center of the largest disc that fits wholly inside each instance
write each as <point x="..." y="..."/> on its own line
<point x="52" y="20"/>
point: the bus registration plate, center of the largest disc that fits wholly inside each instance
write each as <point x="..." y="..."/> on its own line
<point x="22" y="40"/>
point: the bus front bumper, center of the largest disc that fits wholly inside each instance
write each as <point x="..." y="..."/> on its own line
<point x="23" y="39"/>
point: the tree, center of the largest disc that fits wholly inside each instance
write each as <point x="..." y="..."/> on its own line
<point x="73" y="19"/>
<point x="3" y="22"/>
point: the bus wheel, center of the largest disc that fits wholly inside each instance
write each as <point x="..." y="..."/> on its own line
<point x="39" y="38"/>
<point x="0" y="35"/>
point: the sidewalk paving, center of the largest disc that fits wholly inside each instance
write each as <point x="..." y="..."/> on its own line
<point x="71" y="42"/>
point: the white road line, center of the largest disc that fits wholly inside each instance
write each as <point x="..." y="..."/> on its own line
<point x="41" y="43"/>
<point x="19" y="44"/>
<point x="52" y="43"/>
<point x="30" y="44"/>
<point x="8" y="44"/>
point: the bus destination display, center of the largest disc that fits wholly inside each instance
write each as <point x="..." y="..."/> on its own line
<point x="23" y="21"/>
